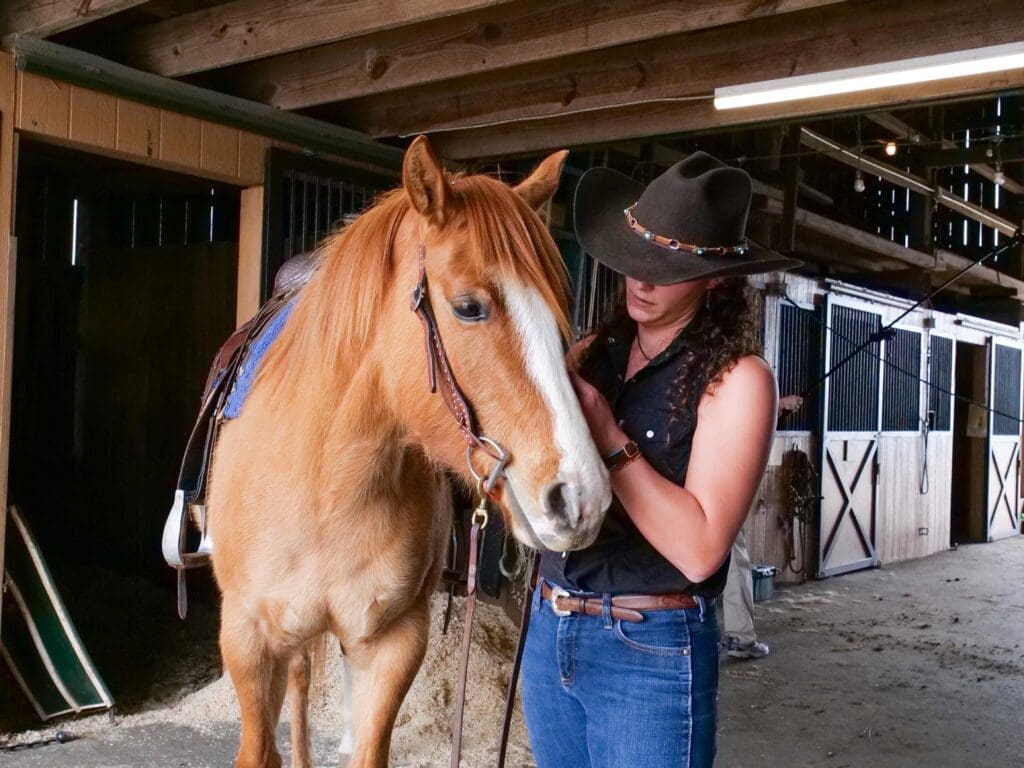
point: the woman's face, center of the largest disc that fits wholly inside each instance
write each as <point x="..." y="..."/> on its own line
<point x="665" y="305"/>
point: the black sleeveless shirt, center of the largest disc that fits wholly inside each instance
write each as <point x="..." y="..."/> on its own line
<point x="621" y="560"/>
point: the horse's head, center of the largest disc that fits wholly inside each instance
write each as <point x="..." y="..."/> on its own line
<point x="498" y="291"/>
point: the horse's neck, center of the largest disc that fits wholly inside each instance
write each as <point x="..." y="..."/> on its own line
<point x="331" y="413"/>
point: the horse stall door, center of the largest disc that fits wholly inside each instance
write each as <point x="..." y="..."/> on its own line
<point x="126" y="287"/>
<point x="1003" y="452"/>
<point x="969" y="493"/>
<point x="849" y="474"/>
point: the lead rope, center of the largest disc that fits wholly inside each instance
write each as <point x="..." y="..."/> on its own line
<point x="510" y="698"/>
<point x="476" y="536"/>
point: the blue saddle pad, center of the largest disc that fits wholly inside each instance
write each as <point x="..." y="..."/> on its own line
<point x="251" y="362"/>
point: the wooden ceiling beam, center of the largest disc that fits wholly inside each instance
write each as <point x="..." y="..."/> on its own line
<point x="483" y="41"/>
<point x="43" y="18"/>
<point x="507" y="138"/>
<point x="530" y="107"/>
<point x="244" y="30"/>
<point x="1009" y="151"/>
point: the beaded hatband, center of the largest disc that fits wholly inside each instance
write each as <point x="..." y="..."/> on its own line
<point x="675" y="245"/>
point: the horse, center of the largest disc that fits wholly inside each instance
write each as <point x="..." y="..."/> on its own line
<point x="329" y="503"/>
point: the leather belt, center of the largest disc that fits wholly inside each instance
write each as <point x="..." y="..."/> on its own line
<point x="624" y="607"/>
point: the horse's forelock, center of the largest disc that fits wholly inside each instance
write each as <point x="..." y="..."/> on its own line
<point x="509" y="236"/>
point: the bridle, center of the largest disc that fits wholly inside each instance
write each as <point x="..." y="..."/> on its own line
<point x="463" y="413"/>
<point x="453" y="397"/>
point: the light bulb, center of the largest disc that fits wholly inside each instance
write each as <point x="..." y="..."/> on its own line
<point x="988" y="151"/>
<point x="858" y="182"/>
<point x="890" y="148"/>
<point x="1000" y="177"/>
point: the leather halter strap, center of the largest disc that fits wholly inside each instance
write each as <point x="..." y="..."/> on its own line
<point x="450" y="391"/>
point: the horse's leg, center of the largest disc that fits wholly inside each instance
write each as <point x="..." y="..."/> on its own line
<point x="259" y="679"/>
<point x="298" y="698"/>
<point x="384" y="670"/>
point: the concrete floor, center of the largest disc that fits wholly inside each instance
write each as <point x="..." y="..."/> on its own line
<point x="916" y="666"/>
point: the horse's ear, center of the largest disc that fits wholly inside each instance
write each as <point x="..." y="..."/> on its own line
<point x="425" y="182"/>
<point x="540" y="185"/>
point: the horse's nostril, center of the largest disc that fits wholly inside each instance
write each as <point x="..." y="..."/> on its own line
<point x="563" y="500"/>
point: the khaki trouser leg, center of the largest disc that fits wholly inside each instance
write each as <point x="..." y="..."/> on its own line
<point x="738" y="599"/>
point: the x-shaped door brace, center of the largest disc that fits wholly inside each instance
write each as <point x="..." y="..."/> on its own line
<point x="847" y="507"/>
<point x="1003" y="494"/>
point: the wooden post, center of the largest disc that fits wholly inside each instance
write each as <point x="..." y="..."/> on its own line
<point x="921" y="214"/>
<point x="7" y="272"/>
<point x="250" y="253"/>
<point x="790" y="166"/>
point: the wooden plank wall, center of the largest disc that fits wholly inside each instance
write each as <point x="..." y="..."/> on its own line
<point x="116" y="127"/>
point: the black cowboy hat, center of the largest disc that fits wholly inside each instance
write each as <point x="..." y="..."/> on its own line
<point x="688" y="223"/>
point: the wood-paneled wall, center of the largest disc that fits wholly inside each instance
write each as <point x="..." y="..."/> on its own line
<point x="118" y="127"/>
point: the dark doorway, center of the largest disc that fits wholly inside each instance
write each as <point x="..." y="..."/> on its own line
<point x="970" y="432"/>
<point x="126" y="285"/>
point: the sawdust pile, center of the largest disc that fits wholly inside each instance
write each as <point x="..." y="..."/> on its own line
<point x="422" y="737"/>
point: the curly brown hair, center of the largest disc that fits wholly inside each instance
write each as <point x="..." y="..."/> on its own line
<point x="725" y="329"/>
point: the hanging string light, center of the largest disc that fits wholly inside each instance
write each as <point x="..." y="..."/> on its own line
<point x="858" y="179"/>
<point x="999" y="178"/>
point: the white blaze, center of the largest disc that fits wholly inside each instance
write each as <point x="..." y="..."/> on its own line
<point x="545" y="364"/>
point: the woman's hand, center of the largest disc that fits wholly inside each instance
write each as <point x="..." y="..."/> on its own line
<point x="604" y="429"/>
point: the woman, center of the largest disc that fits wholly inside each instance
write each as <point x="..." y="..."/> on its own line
<point x="621" y="659"/>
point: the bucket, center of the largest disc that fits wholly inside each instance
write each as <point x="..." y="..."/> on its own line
<point x="764" y="582"/>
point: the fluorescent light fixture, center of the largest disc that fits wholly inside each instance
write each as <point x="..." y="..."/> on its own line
<point x="977" y="61"/>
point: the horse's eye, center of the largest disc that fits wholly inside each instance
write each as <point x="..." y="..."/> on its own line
<point x="468" y="309"/>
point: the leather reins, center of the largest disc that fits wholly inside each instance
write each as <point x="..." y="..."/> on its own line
<point x="463" y="413"/>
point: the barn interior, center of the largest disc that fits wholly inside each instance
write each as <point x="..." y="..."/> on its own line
<point x="132" y="261"/>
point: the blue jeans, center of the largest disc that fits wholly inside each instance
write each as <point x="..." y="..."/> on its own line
<point x="604" y="693"/>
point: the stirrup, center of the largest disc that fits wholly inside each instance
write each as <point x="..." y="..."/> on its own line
<point x="174" y="543"/>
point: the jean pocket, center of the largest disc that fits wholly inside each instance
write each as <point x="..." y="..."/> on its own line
<point x="660" y="638"/>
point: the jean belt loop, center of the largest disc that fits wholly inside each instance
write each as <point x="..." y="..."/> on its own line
<point x="606" y="609"/>
<point x="537" y="601"/>
<point x="703" y="604"/>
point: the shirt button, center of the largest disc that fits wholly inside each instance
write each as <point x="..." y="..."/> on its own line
<point x="565" y="555"/>
<point x="649" y="433"/>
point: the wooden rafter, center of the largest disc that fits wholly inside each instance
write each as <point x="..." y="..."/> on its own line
<point x="901" y="129"/>
<point x="906" y="180"/>
<point x="812" y="225"/>
<point x="484" y="41"/>
<point x="612" y="95"/>
<point x="48" y="17"/>
<point x="244" y="30"/>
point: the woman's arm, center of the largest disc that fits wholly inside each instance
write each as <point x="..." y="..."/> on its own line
<point x="694" y="526"/>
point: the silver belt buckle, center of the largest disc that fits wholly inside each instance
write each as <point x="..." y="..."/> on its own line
<point x="557" y="592"/>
